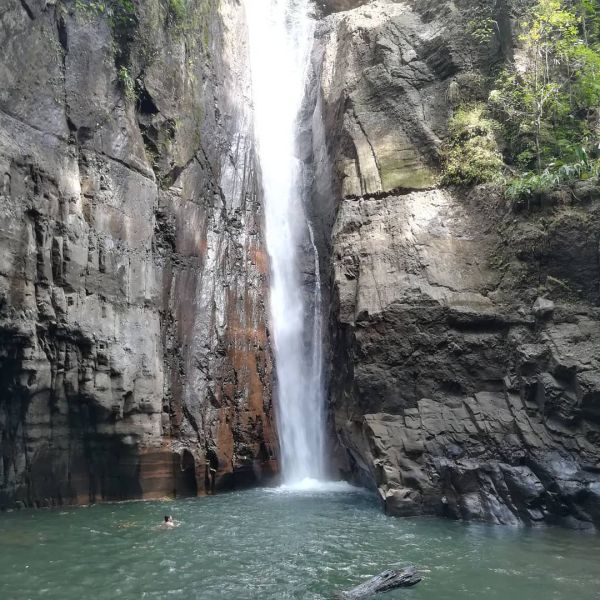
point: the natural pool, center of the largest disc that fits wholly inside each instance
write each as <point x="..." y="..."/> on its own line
<point x="271" y="544"/>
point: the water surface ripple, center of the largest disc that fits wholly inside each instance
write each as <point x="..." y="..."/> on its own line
<point x="274" y="544"/>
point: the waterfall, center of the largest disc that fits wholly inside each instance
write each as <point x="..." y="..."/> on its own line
<point x="281" y="34"/>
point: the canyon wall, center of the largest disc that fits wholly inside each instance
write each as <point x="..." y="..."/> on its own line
<point x="134" y="354"/>
<point x="465" y="352"/>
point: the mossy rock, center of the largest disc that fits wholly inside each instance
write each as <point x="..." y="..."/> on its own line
<point x="472" y="155"/>
<point x="414" y="177"/>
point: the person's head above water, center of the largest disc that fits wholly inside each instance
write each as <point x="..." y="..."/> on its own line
<point x="168" y="518"/>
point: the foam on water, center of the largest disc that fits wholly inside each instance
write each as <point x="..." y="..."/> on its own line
<point x="308" y="485"/>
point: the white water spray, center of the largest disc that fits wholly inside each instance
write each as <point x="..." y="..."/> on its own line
<point x="281" y="34"/>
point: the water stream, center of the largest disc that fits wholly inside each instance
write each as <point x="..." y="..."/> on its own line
<point x="281" y="35"/>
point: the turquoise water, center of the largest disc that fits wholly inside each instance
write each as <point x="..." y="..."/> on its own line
<point x="267" y="544"/>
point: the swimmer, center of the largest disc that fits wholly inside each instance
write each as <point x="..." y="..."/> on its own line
<point x="168" y="522"/>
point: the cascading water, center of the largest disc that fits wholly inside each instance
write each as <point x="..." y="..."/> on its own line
<point x="281" y="34"/>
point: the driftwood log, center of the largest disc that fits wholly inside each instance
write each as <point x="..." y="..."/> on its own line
<point x="388" y="580"/>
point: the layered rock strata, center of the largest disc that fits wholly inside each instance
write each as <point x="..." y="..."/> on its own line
<point x="134" y="354"/>
<point x="465" y="373"/>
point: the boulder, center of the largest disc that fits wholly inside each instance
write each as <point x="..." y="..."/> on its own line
<point x="543" y="308"/>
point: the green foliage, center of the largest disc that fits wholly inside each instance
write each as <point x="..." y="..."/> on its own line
<point x="472" y="155"/>
<point x="192" y="19"/>
<point x="548" y="101"/>
<point x="178" y="11"/>
<point x="588" y="12"/>
<point x="482" y="29"/>
<point x="536" y="97"/>
<point x="127" y="83"/>
<point x="528" y="185"/>
<point x="480" y="18"/>
<point x="119" y="12"/>
<point x="121" y="15"/>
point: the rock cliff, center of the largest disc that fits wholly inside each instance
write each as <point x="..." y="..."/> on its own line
<point x="134" y="355"/>
<point x="134" y="351"/>
<point x="465" y="353"/>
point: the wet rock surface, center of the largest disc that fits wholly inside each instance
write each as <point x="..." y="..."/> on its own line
<point x="465" y="345"/>
<point x="134" y="355"/>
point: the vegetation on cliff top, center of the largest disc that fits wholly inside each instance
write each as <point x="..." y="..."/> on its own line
<point x="134" y="22"/>
<point x="544" y="108"/>
<point x="118" y="11"/>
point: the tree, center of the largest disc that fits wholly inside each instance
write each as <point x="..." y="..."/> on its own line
<point x="546" y="96"/>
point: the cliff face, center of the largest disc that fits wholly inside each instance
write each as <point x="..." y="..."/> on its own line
<point x="134" y="356"/>
<point x="134" y="353"/>
<point x="465" y="362"/>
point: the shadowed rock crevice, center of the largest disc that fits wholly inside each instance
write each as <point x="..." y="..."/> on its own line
<point x="27" y="10"/>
